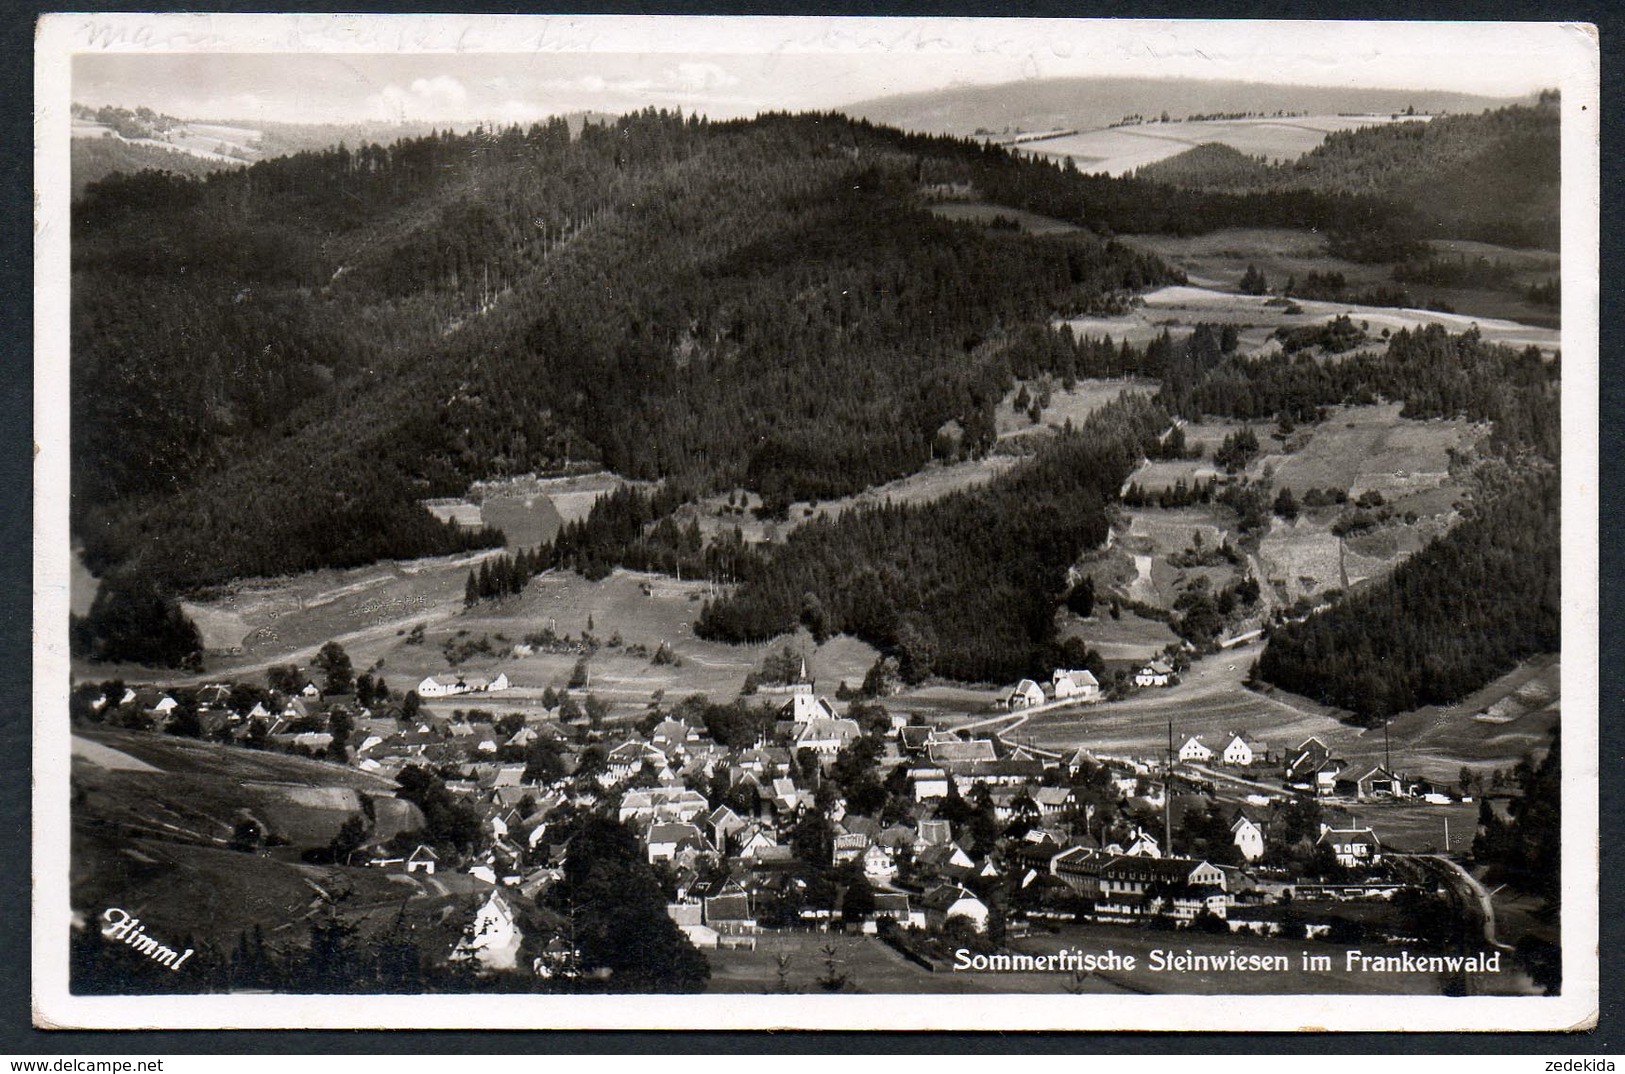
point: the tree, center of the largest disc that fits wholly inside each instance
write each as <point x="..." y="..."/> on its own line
<point x="132" y="619"/>
<point x="1253" y="282"/>
<point x="334" y="663"/>
<point x="352" y="834"/>
<point x="617" y="913"/>
<point x="1285" y="505"/>
<point x="543" y="762"/>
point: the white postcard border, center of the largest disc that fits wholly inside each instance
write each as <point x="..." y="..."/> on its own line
<point x="1574" y="57"/>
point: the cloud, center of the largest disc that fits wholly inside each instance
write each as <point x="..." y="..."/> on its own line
<point x="700" y="77"/>
<point x="439" y="97"/>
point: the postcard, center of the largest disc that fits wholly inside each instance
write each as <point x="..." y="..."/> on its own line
<point x="861" y="523"/>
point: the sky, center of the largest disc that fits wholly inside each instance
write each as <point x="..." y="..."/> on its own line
<point x="516" y="69"/>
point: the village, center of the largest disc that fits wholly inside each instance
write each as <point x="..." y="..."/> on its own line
<point x="784" y="812"/>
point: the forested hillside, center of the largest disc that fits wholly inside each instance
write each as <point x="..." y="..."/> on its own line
<point x="1492" y="177"/>
<point x="290" y="355"/>
<point x="967" y="586"/>
<point x="273" y="366"/>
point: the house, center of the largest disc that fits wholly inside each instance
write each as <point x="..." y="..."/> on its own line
<point x="310" y="690"/>
<point x="949" y="861"/>
<point x="957" y="750"/>
<point x="916" y="739"/>
<point x="849" y="847"/>
<point x="1008" y="772"/>
<point x="450" y="684"/>
<point x="493" y="938"/>
<point x="665" y="840"/>
<point x="1052" y="801"/>
<point x="933" y="833"/>
<point x="1248" y="836"/>
<point x="825" y="736"/>
<point x="1156" y="673"/>
<point x="1354" y="847"/>
<point x="627" y="760"/>
<point x="422" y="860"/>
<point x="722" y="823"/>
<point x="878" y="863"/>
<point x="1243" y="752"/>
<point x="949" y="901"/>
<point x="1081" y="760"/>
<point x="1195" y="749"/>
<point x="1025" y="694"/>
<point x="928" y="783"/>
<point x="755" y="843"/>
<point x="664" y="804"/>
<point x="730" y="915"/>
<point x="670" y="732"/>
<point x="1312" y="767"/>
<point x="1117" y="876"/>
<point x="895" y="906"/>
<point x="1074" y="685"/>
<point x="1142" y="844"/>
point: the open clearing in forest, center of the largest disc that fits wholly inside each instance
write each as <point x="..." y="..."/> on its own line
<point x="1180" y="308"/>
<point x="981" y="212"/>
<point x="1220" y="258"/>
<point x="1074" y="406"/>
<point x="1118" y="150"/>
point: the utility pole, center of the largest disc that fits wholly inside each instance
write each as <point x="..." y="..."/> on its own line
<point x="1387" y="755"/>
<point x="1168" y="795"/>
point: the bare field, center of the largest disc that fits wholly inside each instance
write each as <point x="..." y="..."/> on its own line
<point x="1219" y="259"/>
<point x="1210" y="701"/>
<point x="1117" y="150"/>
<point x="637" y="608"/>
<point x="195" y="792"/>
<point x="1075" y="406"/>
<point x="1372" y="447"/>
<point x="1126" y="639"/>
<point x="1179" y="308"/>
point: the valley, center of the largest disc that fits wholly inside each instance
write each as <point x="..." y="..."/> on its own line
<point x="817" y="504"/>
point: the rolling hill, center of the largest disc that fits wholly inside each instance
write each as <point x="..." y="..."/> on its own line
<point x="1092" y="103"/>
<point x="1491" y="177"/>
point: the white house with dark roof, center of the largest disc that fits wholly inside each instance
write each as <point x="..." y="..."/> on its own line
<point x="1248" y="836"/>
<point x="1155" y="673"/>
<point x="1243" y="751"/>
<point x="1194" y="749"/>
<point x="949" y="901"/>
<point x="1354" y="847"/>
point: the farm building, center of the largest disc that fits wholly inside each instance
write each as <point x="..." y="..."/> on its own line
<point x="1378" y="782"/>
<point x="1081" y="685"/>
<point x="450" y="684"/>
<point x="1025" y="694"/>
<point x="1156" y="673"/>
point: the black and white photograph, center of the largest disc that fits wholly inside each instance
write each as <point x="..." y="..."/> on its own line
<point x="849" y="523"/>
